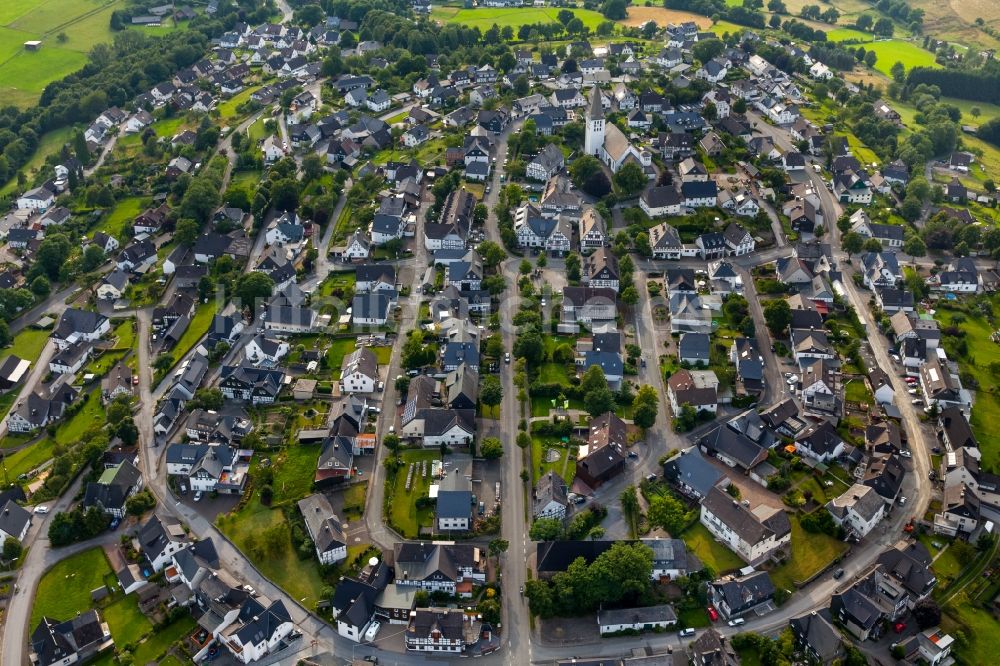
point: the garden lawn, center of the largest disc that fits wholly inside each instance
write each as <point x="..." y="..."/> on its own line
<point x="983" y="352"/>
<point x="114" y="222"/>
<point x="339" y="348"/>
<point x="245" y="180"/>
<point x="564" y="467"/>
<point x="945" y="565"/>
<point x="65" y="588"/>
<point x="125" y="335"/>
<point x="712" y="553"/>
<point x="90" y="415"/>
<point x="857" y="391"/>
<point x="404" y="516"/>
<point x="300" y="578"/>
<point x="485" y="18"/>
<point x="29" y="457"/>
<point x="541" y="405"/>
<point x="553" y="373"/>
<point x="294" y="468"/>
<point x="127" y="623"/>
<point x="694" y="617"/>
<point x="810" y="553"/>
<point x="344" y="281"/>
<point x="159" y="642"/>
<point x="28" y="344"/>
<point x="196" y="330"/>
<point x="383" y="354"/>
<point x="227" y="109"/>
<point x="980" y="628"/>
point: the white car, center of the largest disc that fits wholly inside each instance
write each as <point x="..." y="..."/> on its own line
<point x="372" y="630"/>
<point x="902" y="501"/>
<point x="41" y="509"/>
<point x="737" y="622"/>
<point x="684" y="633"/>
<point x="197" y="496"/>
<point x="905" y="454"/>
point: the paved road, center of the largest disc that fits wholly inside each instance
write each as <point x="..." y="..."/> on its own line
<point x="514" y="527"/>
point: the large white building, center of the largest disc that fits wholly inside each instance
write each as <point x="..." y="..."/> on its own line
<point x="751" y="536"/>
<point x="606" y="142"/>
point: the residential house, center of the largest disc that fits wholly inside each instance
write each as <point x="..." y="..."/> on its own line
<point x="753" y="537"/>
<point x="859" y="509"/>
<point x="603" y="456"/>
<point x="115" y="485"/>
<point x="550" y="498"/>
<point x="324" y="528"/>
<point x="55" y="643"/>
<point x="736" y="596"/>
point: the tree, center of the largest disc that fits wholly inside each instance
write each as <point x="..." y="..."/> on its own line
<point x="529" y="346"/>
<point x="599" y="401"/>
<point x="491" y="392"/>
<point x="546" y="529"/>
<point x="927" y="613"/>
<point x="872" y="245"/>
<point x="575" y="27"/>
<point x="915" y="246"/>
<point x="898" y="72"/>
<point x="883" y="27"/>
<point x="573" y="265"/>
<point x="140" y="503"/>
<point x="864" y="22"/>
<point x="525" y="267"/>
<point x="774" y="21"/>
<point x="498" y="547"/>
<point x="593" y="379"/>
<point x="285" y="194"/>
<point x="852" y="242"/>
<point x="630" y="296"/>
<point x="200" y="200"/>
<point x="583" y="168"/>
<point x="668" y="512"/>
<point x="630" y="179"/>
<point x="253" y="287"/>
<point x="777" y="7"/>
<point x="186" y="232"/>
<point x="52" y="254"/>
<point x="523" y="439"/>
<point x="41" y="286"/>
<point x="705" y="50"/>
<point x="778" y="315"/>
<point x="163" y="362"/>
<point x="614" y="10"/>
<point x="491" y="448"/>
<point x="870" y="58"/>
<point x="645" y="406"/>
<point x="630" y="509"/>
<point x="11" y="549"/>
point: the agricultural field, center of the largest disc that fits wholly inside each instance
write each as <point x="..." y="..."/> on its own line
<point x="82" y="23"/>
<point x="663" y="17"/>
<point x="484" y="18"/>
<point x="895" y="50"/>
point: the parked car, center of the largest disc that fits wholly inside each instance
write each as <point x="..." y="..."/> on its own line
<point x="713" y="614"/>
<point x="41" y="509"/>
<point x="506" y="357"/>
<point x="838" y="574"/>
<point x="197" y="496"/>
<point x="684" y="633"/>
<point x="905" y="453"/>
<point x="736" y="622"/>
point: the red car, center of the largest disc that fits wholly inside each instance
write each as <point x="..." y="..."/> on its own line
<point x="713" y="614"/>
<point x="900" y="627"/>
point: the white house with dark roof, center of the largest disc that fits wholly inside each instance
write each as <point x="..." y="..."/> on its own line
<point x="325" y="528"/>
<point x="859" y="509"/>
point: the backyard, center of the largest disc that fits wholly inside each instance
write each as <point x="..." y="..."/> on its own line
<point x="65" y="588"/>
<point x="196" y="330"/>
<point x="28" y="344"/>
<point x="249" y="526"/>
<point x="404" y="516"/>
<point x="983" y="353"/>
<point x="544" y="458"/>
<point x="711" y="553"/>
<point x="810" y="553"/>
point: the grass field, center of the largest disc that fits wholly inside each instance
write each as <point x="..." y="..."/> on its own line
<point x="484" y="18"/>
<point x="709" y="551"/>
<point x="896" y="50"/>
<point x="843" y="34"/>
<point x="564" y="467"/>
<point x="202" y="319"/>
<point x="404" y="515"/>
<point x="65" y="588"/>
<point x="980" y="627"/>
<point x="50" y="144"/>
<point x="300" y="578"/>
<point x="115" y="222"/>
<point x="90" y="415"/>
<point x="810" y="553"/>
<point x="28" y="344"/>
<point x="982" y="353"/>
<point x="23" y="74"/>
<point x="126" y="621"/>
<point x="30" y="457"/>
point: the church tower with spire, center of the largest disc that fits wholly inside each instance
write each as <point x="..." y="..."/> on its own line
<point x="594" y="141"/>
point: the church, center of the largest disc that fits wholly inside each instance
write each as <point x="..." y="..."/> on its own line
<point x="608" y="143"/>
